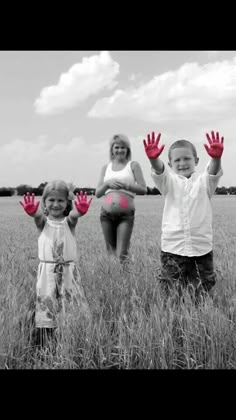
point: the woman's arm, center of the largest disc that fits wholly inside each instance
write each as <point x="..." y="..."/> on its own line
<point x="102" y="186"/>
<point x="140" y="186"/>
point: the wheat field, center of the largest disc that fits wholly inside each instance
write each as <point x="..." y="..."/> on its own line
<point x="131" y="327"/>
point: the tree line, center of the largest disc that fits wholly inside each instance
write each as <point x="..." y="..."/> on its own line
<point x="38" y="191"/>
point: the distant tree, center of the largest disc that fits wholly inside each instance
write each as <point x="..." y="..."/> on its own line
<point x="221" y="191"/>
<point x="89" y="191"/>
<point x="232" y="190"/>
<point x="41" y="188"/>
<point x="6" y="192"/>
<point x="155" y="191"/>
<point x="37" y="191"/>
<point x="23" y="189"/>
<point x="152" y="191"/>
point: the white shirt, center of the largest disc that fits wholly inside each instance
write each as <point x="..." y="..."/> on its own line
<point x="126" y="175"/>
<point x="187" y="214"/>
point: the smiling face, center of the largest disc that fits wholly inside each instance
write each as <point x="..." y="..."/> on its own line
<point x="119" y="151"/>
<point x="183" y="161"/>
<point x="56" y="203"/>
<point x="120" y="148"/>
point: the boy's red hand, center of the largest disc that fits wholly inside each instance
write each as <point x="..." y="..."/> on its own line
<point x="216" y="146"/>
<point x="151" y="147"/>
<point x="81" y="202"/>
<point x="29" y="205"/>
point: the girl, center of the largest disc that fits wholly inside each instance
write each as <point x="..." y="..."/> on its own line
<point x="58" y="279"/>
<point x="119" y="181"/>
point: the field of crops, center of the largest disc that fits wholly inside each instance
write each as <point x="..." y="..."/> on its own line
<point x="131" y="327"/>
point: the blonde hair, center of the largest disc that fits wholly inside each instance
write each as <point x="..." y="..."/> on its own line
<point x="120" y="139"/>
<point x="62" y="186"/>
<point x="182" y="143"/>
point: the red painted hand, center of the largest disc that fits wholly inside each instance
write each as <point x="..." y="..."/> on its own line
<point x="82" y="203"/>
<point x="29" y="205"/>
<point x="151" y="147"/>
<point x="216" y="146"/>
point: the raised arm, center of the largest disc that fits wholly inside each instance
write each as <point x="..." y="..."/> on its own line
<point x="33" y="210"/>
<point x="81" y="206"/>
<point x="153" y="151"/>
<point x="215" y="150"/>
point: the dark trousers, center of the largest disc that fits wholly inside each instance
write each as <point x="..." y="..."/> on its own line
<point x="194" y="273"/>
<point x="117" y="231"/>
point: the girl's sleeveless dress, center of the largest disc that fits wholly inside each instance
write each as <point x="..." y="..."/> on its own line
<point x="59" y="284"/>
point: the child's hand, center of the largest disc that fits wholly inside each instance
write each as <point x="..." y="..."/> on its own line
<point x="216" y="147"/>
<point x="151" y="148"/>
<point x="29" y="205"/>
<point x="81" y="202"/>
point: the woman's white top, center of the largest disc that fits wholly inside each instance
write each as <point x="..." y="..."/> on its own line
<point x="125" y="175"/>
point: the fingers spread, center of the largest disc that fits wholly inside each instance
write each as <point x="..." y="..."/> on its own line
<point x="208" y="138"/>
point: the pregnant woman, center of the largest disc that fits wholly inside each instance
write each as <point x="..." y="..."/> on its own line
<point x="119" y="182"/>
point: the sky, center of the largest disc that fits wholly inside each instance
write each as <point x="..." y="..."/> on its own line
<point x="59" y="109"/>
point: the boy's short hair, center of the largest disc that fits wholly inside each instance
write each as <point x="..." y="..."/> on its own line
<point x="182" y="143"/>
<point x="120" y="139"/>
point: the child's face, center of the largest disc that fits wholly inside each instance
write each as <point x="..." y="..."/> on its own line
<point x="56" y="203"/>
<point x="183" y="161"/>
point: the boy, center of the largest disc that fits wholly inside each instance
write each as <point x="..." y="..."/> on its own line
<point x="186" y="242"/>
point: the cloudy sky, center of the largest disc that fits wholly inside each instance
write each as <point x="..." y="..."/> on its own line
<point x="58" y="109"/>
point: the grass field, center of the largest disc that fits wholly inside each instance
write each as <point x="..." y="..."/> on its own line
<point x="130" y="328"/>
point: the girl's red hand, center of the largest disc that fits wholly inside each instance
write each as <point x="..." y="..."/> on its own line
<point x="151" y="147"/>
<point x="82" y="203"/>
<point x="29" y="205"/>
<point x="216" y="146"/>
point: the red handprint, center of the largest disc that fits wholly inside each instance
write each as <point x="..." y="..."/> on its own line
<point x="81" y="202"/>
<point x="29" y="205"/>
<point x="216" y="146"/>
<point x="151" y="148"/>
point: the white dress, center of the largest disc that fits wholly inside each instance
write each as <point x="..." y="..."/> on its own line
<point x="59" y="284"/>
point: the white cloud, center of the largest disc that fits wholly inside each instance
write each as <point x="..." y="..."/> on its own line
<point x="193" y="93"/>
<point x="82" y="80"/>
<point x="35" y="162"/>
<point x="135" y="77"/>
<point x="132" y="77"/>
<point x="22" y="152"/>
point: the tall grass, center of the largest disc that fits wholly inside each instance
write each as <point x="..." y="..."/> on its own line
<point x="131" y="326"/>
